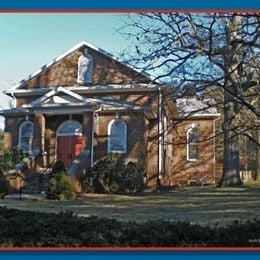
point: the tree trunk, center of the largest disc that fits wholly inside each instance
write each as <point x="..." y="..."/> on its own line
<point x="258" y="142"/>
<point x="231" y="171"/>
<point x="232" y="59"/>
<point x="257" y="177"/>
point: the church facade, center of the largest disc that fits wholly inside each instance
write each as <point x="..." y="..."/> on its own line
<point x="86" y="104"/>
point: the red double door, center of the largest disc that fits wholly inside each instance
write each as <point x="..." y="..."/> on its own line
<point x="68" y="148"/>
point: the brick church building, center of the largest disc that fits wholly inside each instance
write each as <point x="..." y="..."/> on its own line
<point x="86" y="104"/>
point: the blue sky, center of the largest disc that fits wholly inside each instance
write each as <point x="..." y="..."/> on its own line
<point x="30" y="40"/>
<point x="27" y="41"/>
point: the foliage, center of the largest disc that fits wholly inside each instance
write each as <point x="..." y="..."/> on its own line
<point x="59" y="184"/>
<point x="3" y="185"/>
<point x="57" y="167"/>
<point x="9" y="158"/>
<point x="27" y="228"/>
<point x="111" y="175"/>
<point x="201" y="51"/>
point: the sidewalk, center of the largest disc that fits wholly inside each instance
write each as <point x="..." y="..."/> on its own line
<point x="16" y="196"/>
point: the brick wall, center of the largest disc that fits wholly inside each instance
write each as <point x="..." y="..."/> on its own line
<point x="12" y="124"/>
<point x="178" y="170"/>
<point x="105" y="71"/>
<point x="152" y="154"/>
<point x="136" y="136"/>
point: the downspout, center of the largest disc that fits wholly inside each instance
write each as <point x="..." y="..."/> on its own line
<point x="165" y="147"/>
<point x="43" y="152"/>
<point x="214" y="151"/>
<point x="92" y="136"/>
<point x="13" y="96"/>
<point x="160" y="132"/>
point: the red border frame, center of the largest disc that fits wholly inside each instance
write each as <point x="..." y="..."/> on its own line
<point x="136" y="249"/>
<point x="125" y="249"/>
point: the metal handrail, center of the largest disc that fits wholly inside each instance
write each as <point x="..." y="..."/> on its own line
<point x="49" y="166"/>
<point x="40" y="183"/>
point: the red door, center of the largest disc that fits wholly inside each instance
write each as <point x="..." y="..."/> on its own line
<point x="68" y="148"/>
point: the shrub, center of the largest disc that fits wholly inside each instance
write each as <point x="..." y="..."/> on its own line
<point x="59" y="187"/>
<point x="9" y="158"/>
<point x="3" y="185"/>
<point x="111" y="175"/>
<point x="58" y="167"/>
<point x="59" y="184"/>
<point x="28" y="228"/>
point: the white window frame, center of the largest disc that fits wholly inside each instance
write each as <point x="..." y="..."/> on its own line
<point x="109" y="150"/>
<point x="189" y="143"/>
<point x="20" y="136"/>
<point x="61" y="126"/>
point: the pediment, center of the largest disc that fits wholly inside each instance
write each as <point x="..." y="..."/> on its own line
<point x="62" y="71"/>
<point x="61" y="96"/>
<point x="60" y="100"/>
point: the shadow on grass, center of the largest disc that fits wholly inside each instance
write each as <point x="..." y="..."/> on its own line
<point x="199" y="205"/>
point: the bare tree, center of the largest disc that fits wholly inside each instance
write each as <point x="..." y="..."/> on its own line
<point x="205" y="50"/>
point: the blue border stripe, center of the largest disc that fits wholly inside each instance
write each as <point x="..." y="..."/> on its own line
<point x="128" y="255"/>
<point x="120" y="5"/>
<point x="21" y="5"/>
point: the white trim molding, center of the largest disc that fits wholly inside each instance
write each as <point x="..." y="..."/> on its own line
<point x="26" y="146"/>
<point x="75" y="130"/>
<point x="193" y="143"/>
<point x="118" y="138"/>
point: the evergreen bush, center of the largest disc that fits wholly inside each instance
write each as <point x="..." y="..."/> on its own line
<point x="59" y="184"/>
<point x="111" y="175"/>
<point x="3" y="185"/>
<point x="38" y="229"/>
<point x="9" y="158"/>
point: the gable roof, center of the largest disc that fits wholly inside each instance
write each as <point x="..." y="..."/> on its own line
<point x="73" y="49"/>
<point x="195" y="107"/>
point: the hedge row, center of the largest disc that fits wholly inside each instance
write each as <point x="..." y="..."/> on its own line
<point x="27" y="228"/>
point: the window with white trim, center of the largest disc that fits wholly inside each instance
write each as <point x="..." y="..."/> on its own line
<point x="26" y="136"/>
<point x="70" y="127"/>
<point x="192" y="144"/>
<point x="117" y="136"/>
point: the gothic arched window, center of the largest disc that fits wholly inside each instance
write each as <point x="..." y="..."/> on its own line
<point x="117" y="136"/>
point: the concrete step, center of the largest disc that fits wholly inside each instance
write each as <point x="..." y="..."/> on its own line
<point x="16" y="196"/>
<point x="30" y="190"/>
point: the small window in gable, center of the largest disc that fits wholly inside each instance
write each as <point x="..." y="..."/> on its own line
<point x="192" y="144"/>
<point x="26" y="136"/>
<point x="117" y="136"/>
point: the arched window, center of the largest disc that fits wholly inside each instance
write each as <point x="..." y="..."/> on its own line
<point x="192" y="144"/>
<point x="117" y="136"/>
<point x="69" y="127"/>
<point x="26" y="136"/>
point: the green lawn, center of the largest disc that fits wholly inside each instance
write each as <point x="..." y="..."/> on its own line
<point x="198" y="205"/>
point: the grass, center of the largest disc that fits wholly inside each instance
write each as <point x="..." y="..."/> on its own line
<point x="199" y="205"/>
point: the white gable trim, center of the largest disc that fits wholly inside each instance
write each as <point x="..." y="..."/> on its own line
<point x="79" y="101"/>
<point x="76" y="47"/>
<point x="93" y="89"/>
<point x="68" y="92"/>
